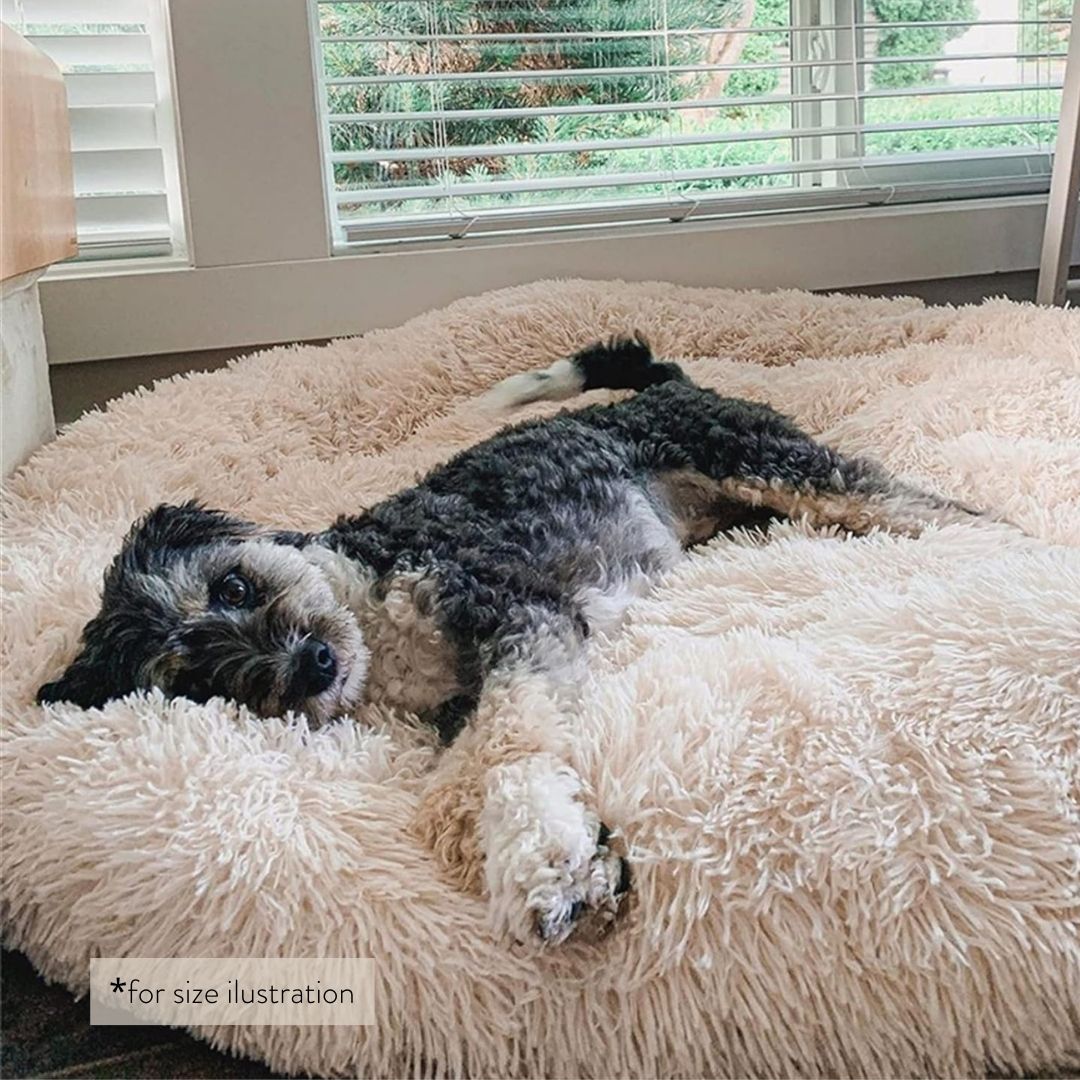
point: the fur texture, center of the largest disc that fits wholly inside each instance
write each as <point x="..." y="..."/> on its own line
<point x="856" y="844"/>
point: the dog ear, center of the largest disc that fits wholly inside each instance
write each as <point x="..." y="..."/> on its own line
<point x="89" y="681"/>
<point x="81" y="684"/>
<point x="167" y="529"/>
<point x="114" y="646"/>
<point x="131" y="623"/>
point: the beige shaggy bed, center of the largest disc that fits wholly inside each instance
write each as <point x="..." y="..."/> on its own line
<point x="846" y="769"/>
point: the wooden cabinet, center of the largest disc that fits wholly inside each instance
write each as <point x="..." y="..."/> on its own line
<point x="37" y="193"/>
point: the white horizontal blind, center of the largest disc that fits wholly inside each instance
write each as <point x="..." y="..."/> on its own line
<point x="449" y="118"/>
<point x="106" y="51"/>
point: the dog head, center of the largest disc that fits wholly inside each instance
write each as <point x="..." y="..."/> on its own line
<point x="201" y="604"/>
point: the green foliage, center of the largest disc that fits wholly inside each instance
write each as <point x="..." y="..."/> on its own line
<point x="405" y="49"/>
<point x="761" y="48"/>
<point x="1049" y="38"/>
<point x="916" y="40"/>
<point x="409" y="50"/>
<point x="947" y="107"/>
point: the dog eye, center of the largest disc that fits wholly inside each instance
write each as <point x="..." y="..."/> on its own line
<point x="233" y="590"/>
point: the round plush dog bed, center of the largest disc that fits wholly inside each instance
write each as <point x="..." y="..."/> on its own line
<point x="847" y="770"/>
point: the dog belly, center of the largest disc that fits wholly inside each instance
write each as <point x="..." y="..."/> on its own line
<point x="635" y="546"/>
<point x="697" y="506"/>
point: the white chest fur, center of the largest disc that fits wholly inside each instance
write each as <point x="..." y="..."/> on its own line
<point x="412" y="664"/>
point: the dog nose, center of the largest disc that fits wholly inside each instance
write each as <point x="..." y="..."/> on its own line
<point x="316" y="668"/>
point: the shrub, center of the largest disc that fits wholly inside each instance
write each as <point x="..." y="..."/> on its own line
<point x="762" y="47"/>
<point x="916" y="40"/>
<point x="757" y="50"/>
<point x="1054" y="37"/>
<point x="950" y="107"/>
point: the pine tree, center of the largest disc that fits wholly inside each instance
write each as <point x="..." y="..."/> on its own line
<point x="420" y="55"/>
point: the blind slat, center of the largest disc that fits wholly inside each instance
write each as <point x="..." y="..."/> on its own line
<point x="111" y="127"/>
<point x="111" y="88"/>
<point x="107" y="54"/>
<point x="571" y="73"/>
<point x="84" y="11"/>
<point x="131" y="214"/>
<point x="96" y="50"/>
<point x="119" y="171"/>
<point x="711" y="31"/>
<point x="763" y="100"/>
<point x="665" y="176"/>
<point x="683" y="209"/>
<point x="585" y="146"/>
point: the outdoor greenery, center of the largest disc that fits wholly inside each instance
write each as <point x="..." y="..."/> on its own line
<point x="400" y="22"/>
<point x="946" y="107"/>
<point x="764" y="47"/>
<point x="916" y="41"/>
<point x="1052" y="36"/>
<point x="418" y="40"/>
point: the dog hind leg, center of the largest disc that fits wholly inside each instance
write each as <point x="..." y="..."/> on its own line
<point x="757" y="457"/>
<point x="855" y="494"/>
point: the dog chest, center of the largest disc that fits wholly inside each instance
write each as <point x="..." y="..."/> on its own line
<point x="413" y="666"/>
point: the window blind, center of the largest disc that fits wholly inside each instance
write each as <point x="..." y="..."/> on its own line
<point x="112" y="71"/>
<point x="452" y="118"/>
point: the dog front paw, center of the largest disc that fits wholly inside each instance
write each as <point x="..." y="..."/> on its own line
<point x="552" y="868"/>
<point x="581" y="898"/>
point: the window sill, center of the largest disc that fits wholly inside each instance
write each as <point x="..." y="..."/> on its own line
<point x="144" y="307"/>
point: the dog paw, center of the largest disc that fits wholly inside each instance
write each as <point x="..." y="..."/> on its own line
<point x="552" y="868"/>
<point x="582" y="897"/>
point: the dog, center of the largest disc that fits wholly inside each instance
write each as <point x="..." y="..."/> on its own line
<point x="477" y="586"/>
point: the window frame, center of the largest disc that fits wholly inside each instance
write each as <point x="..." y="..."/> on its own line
<point x="830" y="129"/>
<point x="261" y="267"/>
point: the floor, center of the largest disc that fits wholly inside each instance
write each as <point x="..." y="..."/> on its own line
<point x="44" y="1031"/>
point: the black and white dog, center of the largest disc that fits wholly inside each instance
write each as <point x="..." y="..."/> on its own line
<point x="466" y="600"/>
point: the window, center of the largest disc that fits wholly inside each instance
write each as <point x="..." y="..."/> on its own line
<point x="451" y="118"/>
<point x="113" y="55"/>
